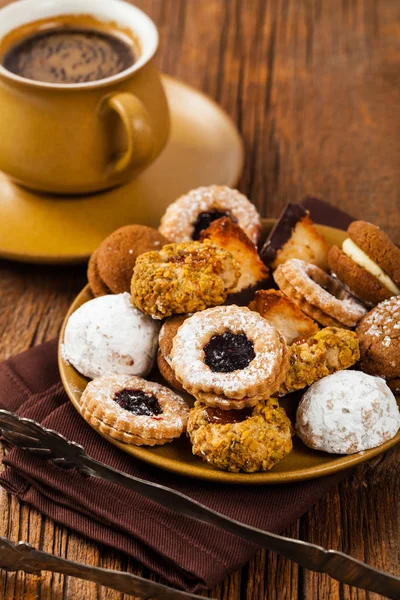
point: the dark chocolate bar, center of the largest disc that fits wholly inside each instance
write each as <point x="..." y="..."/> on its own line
<point x="282" y="231"/>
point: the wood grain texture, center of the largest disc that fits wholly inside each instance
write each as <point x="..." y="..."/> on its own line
<point x="314" y="87"/>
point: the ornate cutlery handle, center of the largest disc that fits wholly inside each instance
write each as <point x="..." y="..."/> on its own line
<point x="50" y="445"/>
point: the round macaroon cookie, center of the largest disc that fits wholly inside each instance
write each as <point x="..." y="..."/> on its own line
<point x="379" y="339"/>
<point x="347" y="412"/>
<point x="116" y="256"/>
<point x="108" y="335"/>
<point x="368" y="263"/>
<point x="96" y="283"/>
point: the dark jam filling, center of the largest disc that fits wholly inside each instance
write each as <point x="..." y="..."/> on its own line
<point x="204" y="221"/>
<point x="138" y="403"/>
<point x="223" y="417"/>
<point x="228" y="352"/>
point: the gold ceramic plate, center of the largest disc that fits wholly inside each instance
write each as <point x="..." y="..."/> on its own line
<point x="301" y="463"/>
<point x="204" y="148"/>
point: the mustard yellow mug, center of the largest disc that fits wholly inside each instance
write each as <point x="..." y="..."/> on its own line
<point x="76" y="138"/>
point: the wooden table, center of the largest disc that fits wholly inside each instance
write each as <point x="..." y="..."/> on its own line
<point x="314" y="88"/>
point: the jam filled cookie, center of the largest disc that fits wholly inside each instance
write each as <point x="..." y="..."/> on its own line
<point x="117" y="254"/>
<point x="108" y="335"/>
<point x="183" y="278"/>
<point x="229" y="357"/>
<point x="320" y="296"/>
<point x="295" y="236"/>
<point x="330" y="350"/>
<point x="379" y="336"/>
<point x="369" y="263"/>
<point x="165" y="341"/>
<point x="281" y="312"/>
<point x="248" y="440"/>
<point x="347" y="412"/>
<point x="226" y="234"/>
<point x="186" y="218"/>
<point x="133" y="410"/>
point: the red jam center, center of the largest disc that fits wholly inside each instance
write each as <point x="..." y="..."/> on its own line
<point x="138" y="403"/>
<point x="223" y="417"/>
<point x="228" y="352"/>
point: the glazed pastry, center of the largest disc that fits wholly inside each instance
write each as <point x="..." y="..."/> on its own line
<point x="329" y="350"/>
<point x="134" y="411"/>
<point x="248" y="440"/>
<point x="229" y="357"/>
<point x="96" y="283"/>
<point x="379" y="336"/>
<point x="226" y="234"/>
<point x="165" y="340"/>
<point x="108" y="335"/>
<point x="369" y="263"/>
<point x="186" y="218"/>
<point x="320" y="296"/>
<point x="347" y="412"/>
<point x="295" y="236"/>
<point x="116" y="256"/>
<point x="183" y="278"/>
<point x="281" y="312"/>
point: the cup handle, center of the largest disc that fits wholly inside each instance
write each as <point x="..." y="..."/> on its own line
<point x="139" y="133"/>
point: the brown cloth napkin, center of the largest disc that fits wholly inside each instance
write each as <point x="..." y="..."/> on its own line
<point x="186" y="553"/>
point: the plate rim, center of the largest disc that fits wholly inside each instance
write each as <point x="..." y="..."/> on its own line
<point x="336" y="464"/>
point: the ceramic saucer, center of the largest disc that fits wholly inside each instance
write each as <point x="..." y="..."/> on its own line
<point x="204" y="148"/>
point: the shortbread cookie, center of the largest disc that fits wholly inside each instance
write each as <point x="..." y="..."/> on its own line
<point x="186" y="218"/>
<point x="330" y="350"/>
<point x="133" y="410"/>
<point x="249" y="440"/>
<point x="117" y="254"/>
<point x="229" y="356"/>
<point x="226" y="234"/>
<point x="369" y="263"/>
<point x="108" y="335"/>
<point x="281" y="312"/>
<point x="379" y="336"/>
<point x="183" y="278"/>
<point x="320" y="296"/>
<point x="347" y="412"/>
<point x="295" y="236"/>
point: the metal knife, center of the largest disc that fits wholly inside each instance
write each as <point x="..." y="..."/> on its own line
<point x="50" y="445"/>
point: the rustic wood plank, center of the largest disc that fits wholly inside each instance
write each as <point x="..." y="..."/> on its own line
<point x="314" y="89"/>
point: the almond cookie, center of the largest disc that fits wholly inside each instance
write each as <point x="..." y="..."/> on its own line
<point x="249" y="440"/>
<point x="183" y="278"/>
<point x="369" y="263"/>
<point x="117" y="254"/>
<point x="330" y="350"/>
<point x="165" y="340"/>
<point x="96" y="283"/>
<point x="186" y="218"/>
<point x="295" y="236"/>
<point x="320" y="296"/>
<point x="379" y="337"/>
<point x="347" y="412"/>
<point x="134" y="411"/>
<point x="229" y="356"/>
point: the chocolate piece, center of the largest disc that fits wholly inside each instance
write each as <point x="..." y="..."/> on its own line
<point x="138" y="403"/>
<point x="223" y="417"/>
<point x="228" y="352"/>
<point x="282" y="231"/>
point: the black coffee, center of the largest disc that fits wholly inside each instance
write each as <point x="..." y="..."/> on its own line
<point x="69" y="55"/>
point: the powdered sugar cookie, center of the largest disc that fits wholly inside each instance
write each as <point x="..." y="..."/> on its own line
<point x="133" y="410"/>
<point x="347" y="412"/>
<point x="229" y="356"/>
<point x="185" y="219"/>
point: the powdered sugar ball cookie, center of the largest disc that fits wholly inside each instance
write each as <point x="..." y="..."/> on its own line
<point x="187" y="217"/>
<point x="108" y="335"/>
<point x="347" y="412"/>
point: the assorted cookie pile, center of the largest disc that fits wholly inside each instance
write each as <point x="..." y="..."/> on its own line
<point x="236" y="329"/>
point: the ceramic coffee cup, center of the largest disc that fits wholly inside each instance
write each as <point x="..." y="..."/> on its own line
<point x="82" y="137"/>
